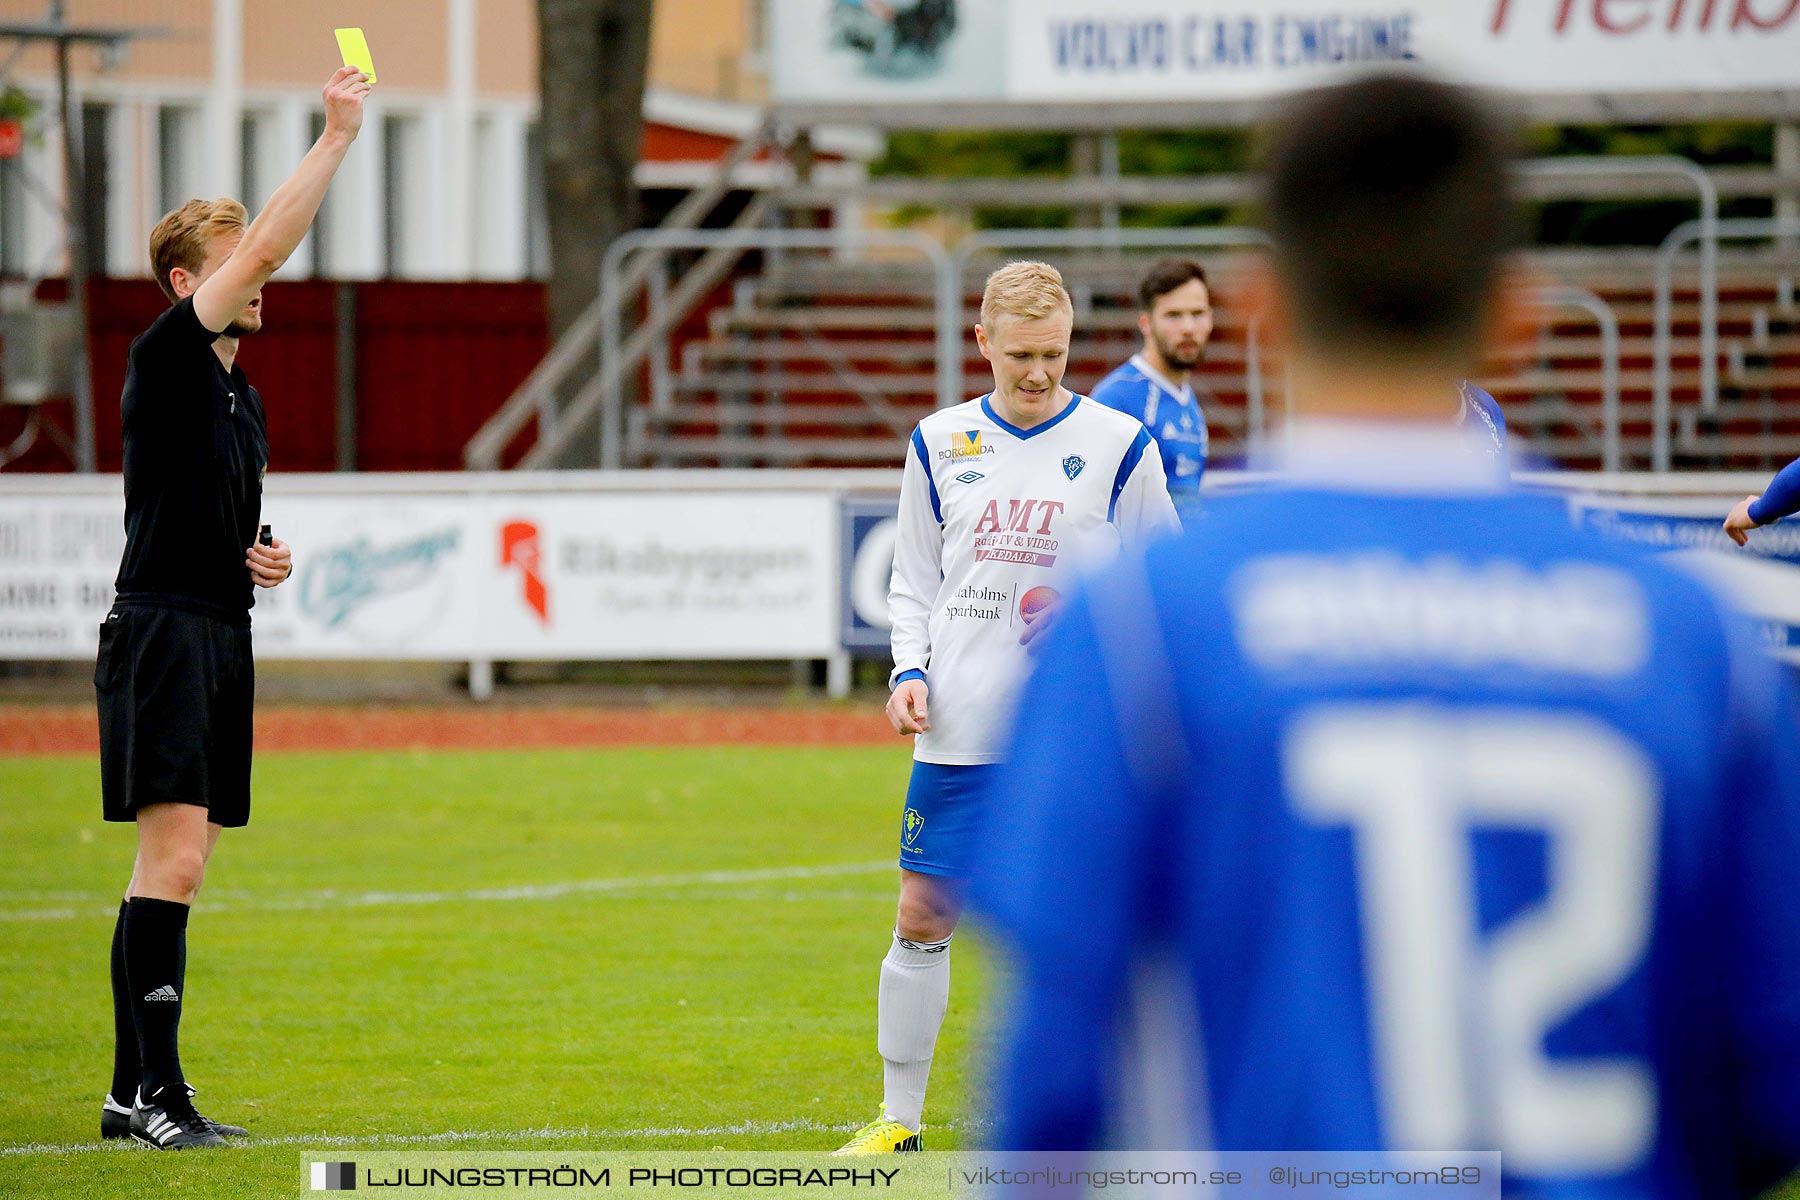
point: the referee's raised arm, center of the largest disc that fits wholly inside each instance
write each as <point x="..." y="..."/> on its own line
<point x="284" y="220"/>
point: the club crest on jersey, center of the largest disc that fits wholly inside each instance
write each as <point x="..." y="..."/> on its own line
<point x="1072" y="466"/>
<point x="965" y="443"/>
<point x="970" y="477"/>
<point x="910" y="825"/>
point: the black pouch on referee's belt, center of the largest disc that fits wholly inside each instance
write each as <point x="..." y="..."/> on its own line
<point x="110" y="662"/>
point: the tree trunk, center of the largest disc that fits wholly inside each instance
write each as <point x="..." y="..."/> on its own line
<point x="592" y="62"/>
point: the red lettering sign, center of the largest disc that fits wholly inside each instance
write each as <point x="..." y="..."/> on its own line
<point x="1622" y="18"/>
<point x="1607" y="17"/>
<point x="1746" y="14"/>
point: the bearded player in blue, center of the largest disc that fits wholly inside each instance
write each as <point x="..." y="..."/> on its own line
<point x="1441" y="824"/>
<point x="1154" y="386"/>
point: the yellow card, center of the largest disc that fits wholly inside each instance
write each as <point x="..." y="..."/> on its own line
<point x="355" y="49"/>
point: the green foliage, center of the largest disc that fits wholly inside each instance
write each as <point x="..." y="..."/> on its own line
<point x="1644" y="222"/>
<point x="16" y="105"/>
<point x="666" y="991"/>
<point x="1207" y="151"/>
<point x="989" y="155"/>
<point x="963" y="152"/>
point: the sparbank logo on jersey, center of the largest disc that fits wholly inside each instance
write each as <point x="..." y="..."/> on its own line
<point x="978" y="603"/>
<point x="965" y="443"/>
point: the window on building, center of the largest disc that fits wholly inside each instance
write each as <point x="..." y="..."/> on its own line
<point x="320" y="235"/>
<point x="177" y="156"/>
<point x="399" y="162"/>
<point x="756" y="34"/>
<point x="95" y="155"/>
<point x="12" y="216"/>
<point x="249" y="142"/>
<point x="482" y="217"/>
<point x="537" y="218"/>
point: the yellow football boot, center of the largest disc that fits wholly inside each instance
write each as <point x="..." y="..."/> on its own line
<point x="881" y="1136"/>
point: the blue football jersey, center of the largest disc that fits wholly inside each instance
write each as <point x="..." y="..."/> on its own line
<point x="1443" y="826"/>
<point x="1173" y="417"/>
<point x="1782" y="497"/>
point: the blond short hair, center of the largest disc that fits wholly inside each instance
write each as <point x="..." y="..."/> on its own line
<point x="182" y="238"/>
<point x="1025" y="289"/>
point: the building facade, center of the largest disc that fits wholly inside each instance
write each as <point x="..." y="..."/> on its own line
<point x="221" y="97"/>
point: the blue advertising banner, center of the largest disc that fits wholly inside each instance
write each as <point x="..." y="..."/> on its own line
<point x="1761" y="578"/>
<point x="869" y="525"/>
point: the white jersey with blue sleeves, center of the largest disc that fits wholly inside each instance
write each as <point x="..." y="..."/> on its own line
<point x="1171" y="414"/>
<point x="995" y="521"/>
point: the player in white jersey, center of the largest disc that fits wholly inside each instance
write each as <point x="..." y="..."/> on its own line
<point x="1003" y="499"/>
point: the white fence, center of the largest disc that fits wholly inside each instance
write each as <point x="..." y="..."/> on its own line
<point x="653" y="564"/>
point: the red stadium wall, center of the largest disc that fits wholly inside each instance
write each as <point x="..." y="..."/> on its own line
<point x="433" y="361"/>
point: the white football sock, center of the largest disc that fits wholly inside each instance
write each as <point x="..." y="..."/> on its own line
<point x="915" y="992"/>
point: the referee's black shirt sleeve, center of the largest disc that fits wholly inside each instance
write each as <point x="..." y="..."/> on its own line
<point x="196" y="445"/>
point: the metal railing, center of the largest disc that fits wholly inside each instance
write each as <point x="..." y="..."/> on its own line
<point x="1560" y="296"/>
<point x="1707" y="227"/>
<point x="949" y="271"/>
<point x="602" y="328"/>
<point x="1662" y="400"/>
<point x="538" y="395"/>
<point x="618" y="355"/>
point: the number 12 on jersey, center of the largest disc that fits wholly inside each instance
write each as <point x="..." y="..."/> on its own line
<point x="1458" y="1020"/>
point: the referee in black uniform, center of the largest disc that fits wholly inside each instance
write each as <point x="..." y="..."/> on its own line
<point x="174" y="675"/>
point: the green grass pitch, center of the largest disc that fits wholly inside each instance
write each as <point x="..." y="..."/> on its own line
<point x="560" y="950"/>
<point x="580" y="949"/>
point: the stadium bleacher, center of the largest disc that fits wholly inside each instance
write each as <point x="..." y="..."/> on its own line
<point x="820" y="361"/>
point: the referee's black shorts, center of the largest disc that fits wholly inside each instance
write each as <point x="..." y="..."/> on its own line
<point x="176" y="688"/>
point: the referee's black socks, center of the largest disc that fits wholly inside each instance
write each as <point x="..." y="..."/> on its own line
<point x="155" y="954"/>
<point x="126" y="1070"/>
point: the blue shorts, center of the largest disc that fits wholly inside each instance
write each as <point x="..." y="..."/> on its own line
<point x="943" y="808"/>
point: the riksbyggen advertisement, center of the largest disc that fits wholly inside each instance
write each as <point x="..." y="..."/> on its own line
<point x="662" y="576"/>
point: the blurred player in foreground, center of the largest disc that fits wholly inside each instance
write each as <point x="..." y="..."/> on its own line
<point x="174" y="677"/>
<point x="1001" y="499"/>
<point x="1782" y="499"/>
<point x="1388" y="811"/>
<point x="1155" y="385"/>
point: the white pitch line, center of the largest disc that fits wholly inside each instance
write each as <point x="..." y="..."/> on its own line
<point x="332" y="899"/>
<point x="743" y="1128"/>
